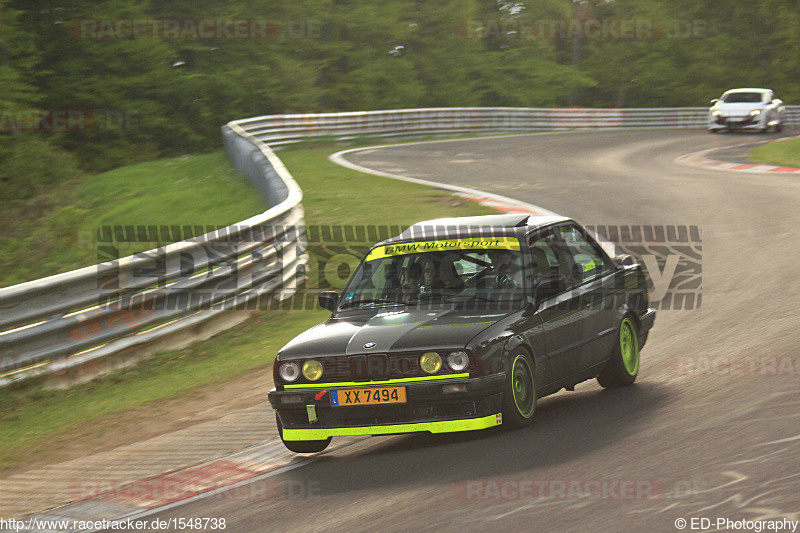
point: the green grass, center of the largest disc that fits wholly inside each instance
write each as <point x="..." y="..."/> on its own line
<point x="54" y="232"/>
<point x="784" y="153"/>
<point x="336" y="195"/>
<point x="33" y="419"/>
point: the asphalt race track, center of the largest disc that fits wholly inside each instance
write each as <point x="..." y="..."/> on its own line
<point x="711" y="429"/>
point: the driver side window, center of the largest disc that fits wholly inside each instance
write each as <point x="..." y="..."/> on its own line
<point x="588" y="262"/>
<point x="550" y="260"/>
<point x="544" y="261"/>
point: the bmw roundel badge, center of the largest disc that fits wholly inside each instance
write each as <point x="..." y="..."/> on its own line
<point x="369" y="345"/>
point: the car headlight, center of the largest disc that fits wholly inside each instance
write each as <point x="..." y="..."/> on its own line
<point x="457" y="361"/>
<point x="289" y="371"/>
<point x="755" y="112"/>
<point x="312" y="370"/>
<point x="716" y="113"/>
<point x="430" y="362"/>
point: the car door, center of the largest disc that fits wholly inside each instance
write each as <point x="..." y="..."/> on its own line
<point x="560" y="312"/>
<point x="598" y="286"/>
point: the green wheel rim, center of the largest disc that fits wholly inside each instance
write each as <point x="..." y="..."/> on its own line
<point x="522" y="386"/>
<point x="629" y="346"/>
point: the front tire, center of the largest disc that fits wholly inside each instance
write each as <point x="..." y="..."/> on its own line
<point x="623" y="367"/>
<point x="301" y="446"/>
<point x="519" y="394"/>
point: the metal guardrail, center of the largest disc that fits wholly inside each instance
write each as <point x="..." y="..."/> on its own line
<point x="76" y="318"/>
<point x="279" y="130"/>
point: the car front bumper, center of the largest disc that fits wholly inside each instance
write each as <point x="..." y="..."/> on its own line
<point x="307" y="414"/>
<point x="735" y="122"/>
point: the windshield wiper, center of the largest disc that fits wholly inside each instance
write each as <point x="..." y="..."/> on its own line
<point x="437" y="296"/>
<point x="370" y="301"/>
<point x="482" y="298"/>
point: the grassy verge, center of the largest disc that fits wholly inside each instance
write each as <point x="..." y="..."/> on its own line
<point x="32" y="419"/>
<point x="53" y="232"/>
<point x="784" y="153"/>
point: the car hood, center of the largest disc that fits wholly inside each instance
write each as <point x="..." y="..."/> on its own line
<point x="392" y="331"/>
<point x="737" y="108"/>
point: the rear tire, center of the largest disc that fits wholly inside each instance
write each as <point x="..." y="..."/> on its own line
<point x="302" y="446"/>
<point x="519" y="393"/>
<point x="623" y="367"/>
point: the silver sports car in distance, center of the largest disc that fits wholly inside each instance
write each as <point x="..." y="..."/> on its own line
<point x="746" y="109"/>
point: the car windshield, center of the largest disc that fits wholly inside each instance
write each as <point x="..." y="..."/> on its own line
<point x="472" y="271"/>
<point x="742" y="98"/>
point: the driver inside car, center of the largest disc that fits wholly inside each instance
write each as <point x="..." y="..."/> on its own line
<point x="505" y="270"/>
<point x="412" y="276"/>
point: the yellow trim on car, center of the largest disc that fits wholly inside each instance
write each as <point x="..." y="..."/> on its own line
<point x="483" y="243"/>
<point x="373" y="383"/>
<point x="444" y="426"/>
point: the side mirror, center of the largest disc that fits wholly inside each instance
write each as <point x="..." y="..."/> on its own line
<point x="328" y="300"/>
<point x="549" y="286"/>
<point x="625" y="260"/>
<point x="777" y="101"/>
<point x="714" y="101"/>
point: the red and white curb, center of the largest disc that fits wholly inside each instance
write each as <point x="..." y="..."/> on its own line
<point x="248" y="475"/>
<point x="701" y="159"/>
<point x="244" y="475"/>
<point x="504" y="206"/>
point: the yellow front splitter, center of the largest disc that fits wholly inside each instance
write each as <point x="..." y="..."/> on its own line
<point x="445" y="426"/>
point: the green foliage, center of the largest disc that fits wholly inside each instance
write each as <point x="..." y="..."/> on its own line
<point x="30" y="165"/>
<point x="341" y="55"/>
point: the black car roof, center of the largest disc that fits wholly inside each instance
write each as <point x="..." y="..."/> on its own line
<point x="510" y="224"/>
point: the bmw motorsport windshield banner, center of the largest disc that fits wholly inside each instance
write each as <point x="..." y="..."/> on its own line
<point x="493" y="243"/>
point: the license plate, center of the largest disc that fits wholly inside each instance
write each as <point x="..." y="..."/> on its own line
<point x="368" y="396"/>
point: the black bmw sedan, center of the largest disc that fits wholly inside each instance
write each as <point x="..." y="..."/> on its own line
<point x="462" y="324"/>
